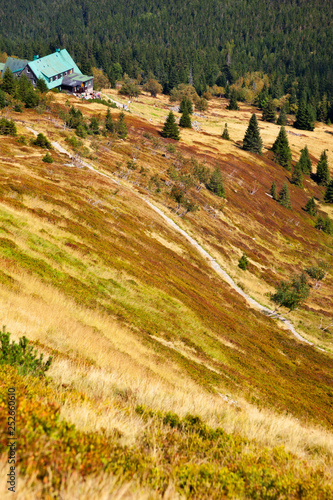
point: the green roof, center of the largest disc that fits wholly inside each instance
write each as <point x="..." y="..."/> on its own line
<point x="75" y="79"/>
<point x="14" y="64"/>
<point x="53" y="65"/>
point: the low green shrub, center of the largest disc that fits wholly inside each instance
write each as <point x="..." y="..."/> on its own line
<point x="324" y="224"/>
<point x="22" y="355"/>
<point x="47" y="158"/>
<point x="243" y="262"/>
<point x="315" y="272"/>
<point x="21" y="139"/>
<point x="42" y="141"/>
<point x="7" y="127"/>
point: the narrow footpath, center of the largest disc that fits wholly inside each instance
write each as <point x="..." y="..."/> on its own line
<point x="217" y="268"/>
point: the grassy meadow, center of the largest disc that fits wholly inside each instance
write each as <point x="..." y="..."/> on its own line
<point x="164" y="383"/>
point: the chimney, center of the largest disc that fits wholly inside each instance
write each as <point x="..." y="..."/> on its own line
<point x="36" y="57"/>
<point x="57" y="50"/>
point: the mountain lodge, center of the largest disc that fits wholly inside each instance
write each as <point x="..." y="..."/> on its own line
<point x="58" y="70"/>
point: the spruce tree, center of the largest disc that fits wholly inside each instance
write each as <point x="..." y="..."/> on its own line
<point x="31" y="99"/>
<point x="215" y="183"/>
<point x="170" y="129"/>
<point x="322" y="175"/>
<point x="23" y="87"/>
<point x="305" y="161"/>
<point x="185" y="119"/>
<point x="269" y="114"/>
<point x="324" y="224"/>
<point x="2" y="99"/>
<point x="233" y="105"/>
<point x="109" y="125"/>
<point x="282" y="120"/>
<point x="329" y="193"/>
<point x="7" y="127"/>
<point x="94" y="126"/>
<point x="297" y="176"/>
<point x="262" y="97"/>
<point x="47" y="158"/>
<point x="310" y="207"/>
<point x="9" y="82"/>
<point x="227" y="91"/>
<point x="273" y="191"/>
<point x="225" y="133"/>
<point x="243" y="262"/>
<point x="284" y="196"/>
<point x="121" y="127"/>
<point x="41" y="85"/>
<point x="303" y="118"/>
<point x="282" y="153"/>
<point x="252" y="141"/>
<point x="186" y="103"/>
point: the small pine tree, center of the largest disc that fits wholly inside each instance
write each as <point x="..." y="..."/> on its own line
<point x="262" y="98"/>
<point x="324" y="224"/>
<point x="303" y="117"/>
<point x="328" y="198"/>
<point x="186" y="103"/>
<point x="41" y="85"/>
<point x="227" y="91"/>
<point x="225" y="133"/>
<point x="94" y="126"/>
<point x="81" y="130"/>
<point x="297" y="176"/>
<point x="233" y="105"/>
<point x="9" y="83"/>
<point x="170" y="129"/>
<point x="42" y="141"/>
<point x="7" y="127"/>
<point x="215" y="183"/>
<point x="74" y="118"/>
<point x="121" y="127"/>
<point x="47" y="158"/>
<point x="305" y="161"/>
<point x="310" y="207"/>
<point x="322" y="174"/>
<point x="185" y="119"/>
<point x="269" y="113"/>
<point x="291" y="294"/>
<point x="252" y="141"/>
<point x="284" y="196"/>
<point x="282" y="120"/>
<point x="282" y="153"/>
<point x="2" y="99"/>
<point x="109" y="125"/>
<point x="31" y="99"/>
<point x="273" y="191"/>
<point x="243" y="262"/>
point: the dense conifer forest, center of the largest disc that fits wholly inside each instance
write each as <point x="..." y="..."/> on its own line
<point x="179" y="41"/>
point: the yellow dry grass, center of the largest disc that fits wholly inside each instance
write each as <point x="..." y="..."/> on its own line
<point x="235" y="416"/>
<point x="120" y="364"/>
<point x="212" y="122"/>
<point x="74" y="487"/>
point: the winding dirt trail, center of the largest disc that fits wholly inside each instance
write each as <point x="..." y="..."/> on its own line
<point x="217" y="268"/>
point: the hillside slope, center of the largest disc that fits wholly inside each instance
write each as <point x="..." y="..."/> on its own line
<point x="129" y="308"/>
